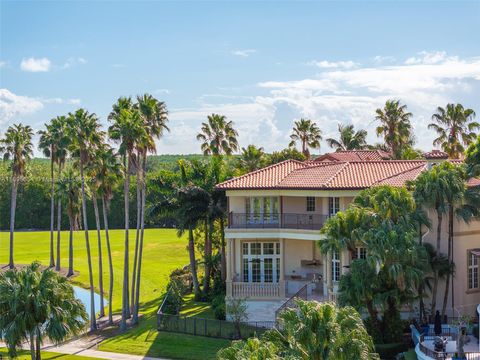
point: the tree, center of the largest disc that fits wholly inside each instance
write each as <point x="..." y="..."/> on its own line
<point x="35" y="305"/>
<point x="154" y="116"/>
<point x="394" y="126"/>
<point x="349" y="139"/>
<point x="308" y="134"/>
<point x="252" y="349"/>
<point x="84" y="131"/>
<point x="251" y="159"/>
<point x="218" y="136"/>
<point x="285" y="154"/>
<point x="17" y="147"/>
<point x="321" y="331"/>
<point x="107" y="176"/>
<point x="69" y="192"/>
<point x="455" y="128"/>
<point x="127" y="127"/>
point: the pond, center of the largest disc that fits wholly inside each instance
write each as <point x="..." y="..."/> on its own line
<point x="84" y="296"/>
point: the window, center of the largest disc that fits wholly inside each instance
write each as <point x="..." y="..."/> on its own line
<point x="261" y="261"/>
<point x="335" y="266"/>
<point x="310" y="203"/>
<point x="472" y="271"/>
<point x="360" y="253"/>
<point x="261" y="209"/>
<point x="333" y="205"/>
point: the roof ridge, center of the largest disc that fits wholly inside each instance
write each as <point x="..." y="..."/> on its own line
<point x="400" y="173"/>
<point x="345" y="164"/>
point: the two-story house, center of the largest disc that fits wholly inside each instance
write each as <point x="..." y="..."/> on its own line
<point x="275" y="217"/>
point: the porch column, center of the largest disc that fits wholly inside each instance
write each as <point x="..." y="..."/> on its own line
<point x="344" y="261"/>
<point x="230" y="270"/>
<point x="281" y="281"/>
<point x="328" y="273"/>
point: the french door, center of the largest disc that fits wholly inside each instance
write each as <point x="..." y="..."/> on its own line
<point x="261" y="262"/>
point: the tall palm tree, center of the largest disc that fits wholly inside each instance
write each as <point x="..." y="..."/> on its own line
<point x="44" y="306"/>
<point x="84" y="131"/>
<point x="108" y="175"/>
<point x="69" y="192"/>
<point x="308" y="134"/>
<point x="394" y="126"/>
<point x="251" y="158"/>
<point x="218" y="136"/>
<point x="17" y="147"/>
<point x="127" y="127"/>
<point x="455" y="128"/>
<point x="349" y="139"/>
<point x="154" y="115"/>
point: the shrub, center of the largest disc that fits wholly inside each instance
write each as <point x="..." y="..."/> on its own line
<point x="390" y="351"/>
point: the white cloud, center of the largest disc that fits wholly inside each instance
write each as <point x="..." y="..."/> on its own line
<point x="3" y="63"/>
<point x="60" y="101"/>
<point x="379" y="59"/>
<point x="162" y="91"/>
<point x="72" y="61"/>
<point x="426" y="57"/>
<point x="35" y="65"/>
<point x="324" y="64"/>
<point x="244" y="53"/>
<point x="12" y="105"/>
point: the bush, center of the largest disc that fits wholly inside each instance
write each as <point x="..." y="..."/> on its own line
<point x="391" y="350"/>
<point x="373" y="331"/>
<point x="218" y="306"/>
<point x="177" y="287"/>
<point x="392" y="327"/>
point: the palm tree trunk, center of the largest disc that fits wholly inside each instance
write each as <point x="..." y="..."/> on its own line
<point x="125" y="294"/>
<point x="193" y="262"/>
<point x="52" y="210"/>
<point x="110" y="262"/>
<point x="450" y="246"/>
<point x="70" y="248"/>
<point x="59" y="223"/>
<point x="100" y="258"/>
<point x="434" y="294"/>
<point x="38" y="346"/>
<point x="208" y="255"/>
<point x="33" y="353"/>
<point x="13" y="206"/>
<point x="223" y="267"/>
<point x="142" y="231"/>
<point x="137" y="234"/>
<point x="93" y="322"/>
<point x="439" y="240"/>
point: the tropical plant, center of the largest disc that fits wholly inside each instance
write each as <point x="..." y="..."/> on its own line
<point x="252" y="349"/>
<point x="455" y="128"/>
<point x="35" y="305"/>
<point x="321" y="331"/>
<point x="68" y="190"/>
<point x="84" y="131"/>
<point x="17" y="147"/>
<point x="349" y="139"/>
<point x="126" y="129"/>
<point x="237" y="310"/>
<point x="394" y="126"/>
<point x="285" y="154"/>
<point x="251" y="159"/>
<point x="308" y="134"/>
<point x="154" y="116"/>
<point x="218" y="136"/>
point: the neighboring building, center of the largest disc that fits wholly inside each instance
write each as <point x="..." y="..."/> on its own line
<point x="275" y="215"/>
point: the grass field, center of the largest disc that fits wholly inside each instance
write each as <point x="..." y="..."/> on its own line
<point x="24" y="355"/>
<point x="163" y="252"/>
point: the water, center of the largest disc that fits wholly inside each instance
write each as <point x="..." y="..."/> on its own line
<point x="84" y="296"/>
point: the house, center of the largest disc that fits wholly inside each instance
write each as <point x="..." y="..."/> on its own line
<point x="275" y="215"/>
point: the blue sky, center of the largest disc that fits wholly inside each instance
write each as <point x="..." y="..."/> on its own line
<point x="263" y="64"/>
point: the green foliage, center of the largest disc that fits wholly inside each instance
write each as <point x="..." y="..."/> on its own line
<point x="391" y="350"/>
<point x="285" y="154"/>
<point x="219" y="307"/>
<point x="308" y="134"/>
<point x="178" y="286"/>
<point x="251" y="349"/>
<point x="349" y="139"/>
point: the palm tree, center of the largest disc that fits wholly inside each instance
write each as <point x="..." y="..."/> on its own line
<point x="84" y="131"/>
<point x="455" y="128"/>
<point x="35" y="305"/>
<point x="17" y="146"/>
<point x="127" y="127"/>
<point x="309" y="135"/>
<point x="349" y="139"/>
<point x="321" y="331"/>
<point x="251" y="159"/>
<point x="218" y="136"/>
<point x="394" y="126"/>
<point x="154" y="115"/>
<point x="108" y="175"/>
<point x="69" y="191"/>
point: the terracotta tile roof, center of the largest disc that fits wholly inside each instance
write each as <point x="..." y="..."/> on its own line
<point x="473" y="182"/>
<point x="435" y="154"/>
<point x="354" y="155"/>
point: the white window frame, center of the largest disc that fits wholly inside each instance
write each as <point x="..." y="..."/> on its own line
<point x="360" y="253"/>
<point x="249" y="259"/>
<point x="333" y="205"/>
<point x="311" y="203"/>
<point x="336" y="266"/>
<point x="472" y="272"/>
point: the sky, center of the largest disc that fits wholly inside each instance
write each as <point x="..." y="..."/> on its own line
<point x="263" y="64"/>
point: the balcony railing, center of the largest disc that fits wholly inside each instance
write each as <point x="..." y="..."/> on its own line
<point x="256" y="290"/>
<point x="276" y="221"/>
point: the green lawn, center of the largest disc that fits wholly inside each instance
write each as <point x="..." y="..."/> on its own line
<point x="163" y="252"/>
<point x="24" y="355"/>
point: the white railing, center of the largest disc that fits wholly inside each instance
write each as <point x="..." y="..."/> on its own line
<point x="332" y="296"/>
<point x="255" y="290"/>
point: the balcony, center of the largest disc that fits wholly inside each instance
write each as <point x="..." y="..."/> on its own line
<point x="276" y="221"/>
<point x="257" y="290"/>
